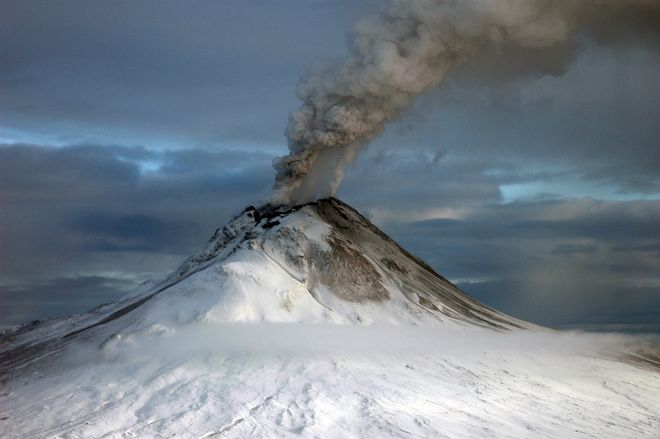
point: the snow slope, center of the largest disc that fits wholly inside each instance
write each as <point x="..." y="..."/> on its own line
<point x="309" y="321"/>
<point x="209" y="380"/>
<point x="319" y="262"/>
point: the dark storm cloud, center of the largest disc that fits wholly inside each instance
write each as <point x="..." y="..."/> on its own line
<point x="596" y="120"/>
<point x="119" y="210"/>
<point x="568" y="261"/>
<point x="203" y="72"/>
<point x="409" y="184"/>
<point x="572" y="249"/>
<point x="613" y="304"/>
<point x="62" y="204"/>
<point x="84" y="224"/>
<point x="103" y="231"/>
<point x="619" y="222"/>
<point x="549" y="258"/>
<point x="58" y="297"/>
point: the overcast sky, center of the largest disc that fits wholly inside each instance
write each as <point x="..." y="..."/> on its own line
<point x="129" y="131"/>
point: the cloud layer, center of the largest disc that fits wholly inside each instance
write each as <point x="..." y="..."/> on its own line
<point x="531" y="178"/>
<point x="72" y="236"/>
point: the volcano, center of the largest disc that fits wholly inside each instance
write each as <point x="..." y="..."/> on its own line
<point x="309" y="320"/>
<point x="312" y="263"/>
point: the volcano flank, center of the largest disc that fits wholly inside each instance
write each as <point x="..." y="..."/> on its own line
<point x="310" y="321"/>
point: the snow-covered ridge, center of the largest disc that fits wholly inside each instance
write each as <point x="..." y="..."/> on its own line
<point x="318" y="262"/>
<point x="381" y="346"/>
<point x="345" y="263"/>
<point x="313" y="263"/>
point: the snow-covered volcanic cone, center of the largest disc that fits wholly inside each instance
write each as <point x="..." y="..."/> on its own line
<point x="376" y="344"/>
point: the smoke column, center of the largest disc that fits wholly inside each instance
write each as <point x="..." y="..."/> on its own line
<point x="402" y="52"/>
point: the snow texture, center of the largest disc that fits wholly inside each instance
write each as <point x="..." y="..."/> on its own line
<point x="309" y="321"/>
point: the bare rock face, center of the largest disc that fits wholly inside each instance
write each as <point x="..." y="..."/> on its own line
<point x="416" y="280"/>
<point x="341" y="259"/>
<point x="341" y="262"/>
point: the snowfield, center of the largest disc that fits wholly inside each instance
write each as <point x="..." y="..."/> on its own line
<point x="310" y="322"/>
<point x="338" y="382"/>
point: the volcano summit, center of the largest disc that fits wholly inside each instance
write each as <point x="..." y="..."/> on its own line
<point x="309" y="320"/>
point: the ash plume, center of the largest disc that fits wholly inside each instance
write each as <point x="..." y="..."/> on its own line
<point x="404" y="51"/>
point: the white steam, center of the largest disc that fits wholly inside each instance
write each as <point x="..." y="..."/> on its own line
<point x="403" y="51"/>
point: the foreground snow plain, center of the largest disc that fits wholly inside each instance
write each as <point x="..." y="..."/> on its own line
<point x="310" y="322"/>
<point x="240" y="381"/>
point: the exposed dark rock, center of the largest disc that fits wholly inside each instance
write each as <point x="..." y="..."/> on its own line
<point x="346" y="272"/>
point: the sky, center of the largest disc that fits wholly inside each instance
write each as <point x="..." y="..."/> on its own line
<point x="130" y="131"/>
